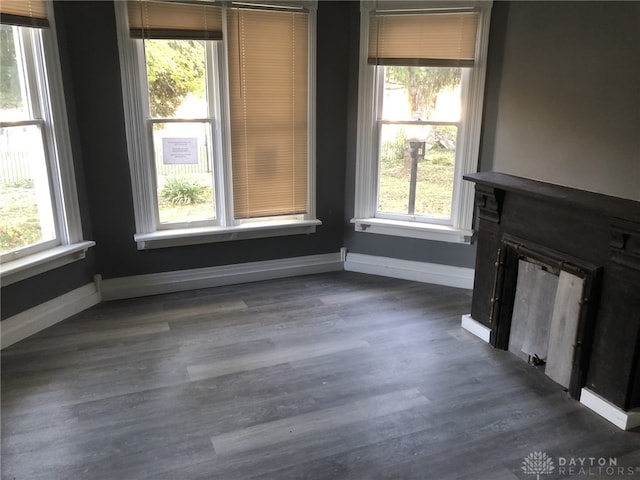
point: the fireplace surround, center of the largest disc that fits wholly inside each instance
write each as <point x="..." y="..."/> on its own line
<point x="592" y="236"/>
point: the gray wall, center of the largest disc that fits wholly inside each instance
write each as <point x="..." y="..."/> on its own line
<point x="563" y="100"/>
<point x="561" y="105"/>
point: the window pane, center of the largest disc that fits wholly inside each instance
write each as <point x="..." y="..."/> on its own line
<point x="25" y="196"/>
<point x="176" y="72"/>
<point x="416" y="169"/>
<point x="394" y="170"/>
<point x="14" y="103"/>
<point x="434" y="188"/>
<point x="184" y="171"/>
<point x="422" y="93"/>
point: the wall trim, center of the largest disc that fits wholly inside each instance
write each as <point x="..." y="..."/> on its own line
<point x="35" y="319"/>
<point x="439" y="274"/>
<point x="626" y="420"/>
<point x="473" y="326"/>
<point x="181" y="280"/>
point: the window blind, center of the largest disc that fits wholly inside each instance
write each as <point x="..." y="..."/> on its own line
<point x="24" y="13"/>
<point x="157" y="19"/>
<point x="268" y="94"/>
<point x="446" y="39"/>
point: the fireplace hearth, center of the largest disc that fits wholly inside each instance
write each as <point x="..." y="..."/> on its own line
<point x="579" y="251"/>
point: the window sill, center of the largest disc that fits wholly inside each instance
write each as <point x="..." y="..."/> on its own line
<point x="195" y="236"/>
<point x="441" y="233"/>
<point x="31" y="265"/>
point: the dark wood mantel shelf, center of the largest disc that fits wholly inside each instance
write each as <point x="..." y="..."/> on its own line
<point x="597" y="232"/>
<point x="582" y="199"/>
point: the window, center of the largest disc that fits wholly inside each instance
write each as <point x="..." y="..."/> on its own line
<point x="219" y="104"/>
<point x="420" y="100"/>
<point x="40" y="227"/>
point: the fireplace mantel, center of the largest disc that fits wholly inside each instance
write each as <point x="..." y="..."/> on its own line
<point x="600" y="234"/>
<point x="581" y="199"/>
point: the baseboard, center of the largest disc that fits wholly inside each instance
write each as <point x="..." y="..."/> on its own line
<point x="410" y="270"/>
<point x="177" y="281"/>
<point x="475" y="327"/>
<point x="33" y="320"/>
<point x="38" y="318"/>
<point x="626" y="420"/>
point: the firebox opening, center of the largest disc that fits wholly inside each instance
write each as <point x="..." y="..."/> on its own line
<point x="545" y="318"/>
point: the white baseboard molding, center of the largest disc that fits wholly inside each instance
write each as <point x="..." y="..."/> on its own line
<point x="475" y="327"/>
<point x="410" y="270"/>
<point x="33" y="320"/>
<point x="604" y="408"/>
<point x="177" y="281"/>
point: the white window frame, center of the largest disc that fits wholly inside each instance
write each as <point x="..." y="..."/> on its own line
<point x="149" y="232"/>
<point x="43" y="63"/>
<point x="459" y="228"/>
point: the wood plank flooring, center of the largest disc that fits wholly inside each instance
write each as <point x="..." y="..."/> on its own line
<point x="331" y="376"/>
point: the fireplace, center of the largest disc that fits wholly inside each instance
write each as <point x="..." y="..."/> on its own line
<point x="557" y="282"/>
<point x="560" y="297"/>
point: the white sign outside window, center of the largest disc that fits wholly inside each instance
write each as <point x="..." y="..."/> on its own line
<point x="179" y="151"/>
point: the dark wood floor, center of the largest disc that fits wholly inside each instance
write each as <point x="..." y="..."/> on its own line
<point x="329" y="376"/>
